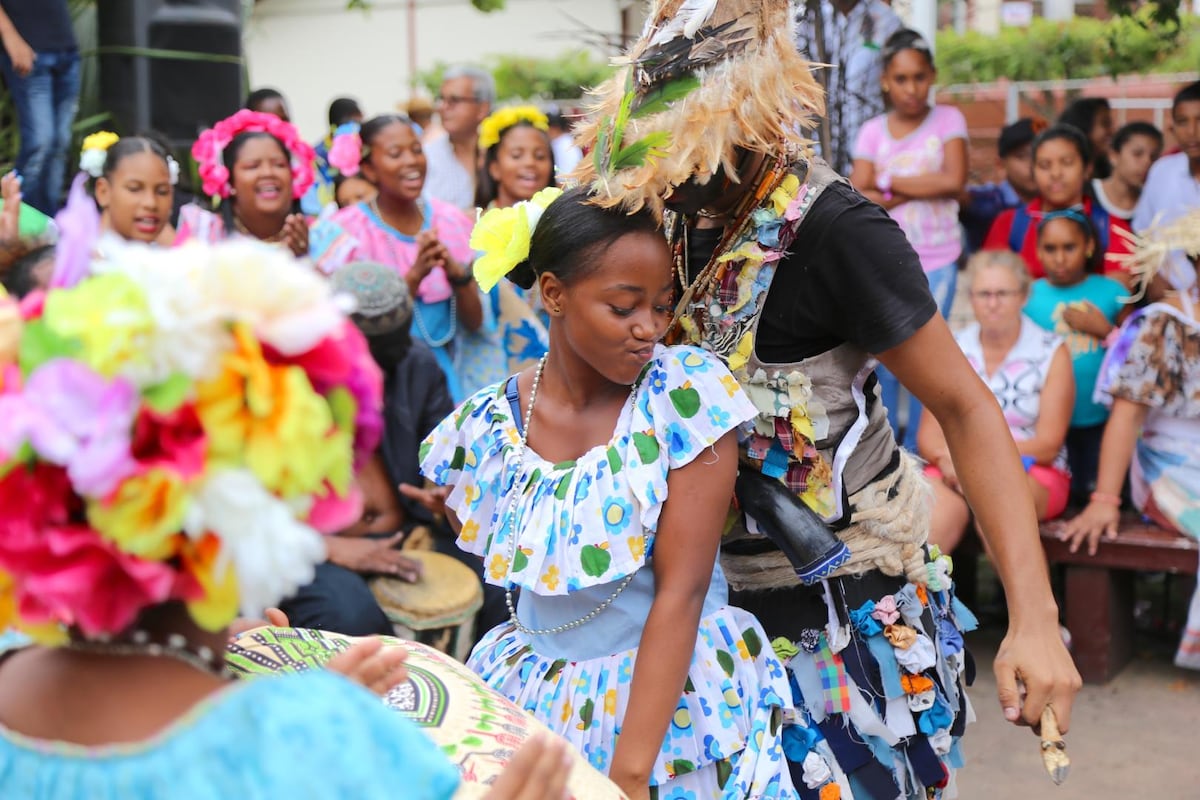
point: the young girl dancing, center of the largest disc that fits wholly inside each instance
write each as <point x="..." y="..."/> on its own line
<point x="598" y="482"/>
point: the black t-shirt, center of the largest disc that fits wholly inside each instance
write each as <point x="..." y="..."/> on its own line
<point x="850" y="276"/>
<point x="45" y="25"/>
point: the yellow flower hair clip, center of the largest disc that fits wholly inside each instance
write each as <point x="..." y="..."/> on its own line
<point x="503" y="236"/>
<point x="95" y="150"/>
<point x="492" y="128"/>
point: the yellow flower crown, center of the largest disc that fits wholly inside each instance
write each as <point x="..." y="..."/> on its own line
<point x="503" y="236"/>
<point x="492" y="128"/>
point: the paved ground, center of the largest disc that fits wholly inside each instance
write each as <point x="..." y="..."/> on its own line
<point x="1136" y="737"/>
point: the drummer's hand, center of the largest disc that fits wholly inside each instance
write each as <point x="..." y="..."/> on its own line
<point x="274" y="618"/>
<point x="538" y="771"/>
<point x="433" y="498"/>
<point x="370" y="664"/>
<point x="373" y="556"/>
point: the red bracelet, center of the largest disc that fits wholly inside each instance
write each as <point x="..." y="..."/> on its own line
<point x="1108" y="499"/>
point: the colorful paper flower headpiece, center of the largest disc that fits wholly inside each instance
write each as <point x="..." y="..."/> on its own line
<point x="177" y="426"/>
<point x="503" y="236"/>
<point x="209" y="151"/>
<point x="494" y="126"/>
<point x="94" y="151"/>
<point x="346" y="151"/>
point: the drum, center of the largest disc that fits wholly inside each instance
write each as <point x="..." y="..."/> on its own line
<point x="477" y="729"/>
<point x="439" y="609"/>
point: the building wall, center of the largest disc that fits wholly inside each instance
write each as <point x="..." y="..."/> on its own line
<point x="316" y="50"/>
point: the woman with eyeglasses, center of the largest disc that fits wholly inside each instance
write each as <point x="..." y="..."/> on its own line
<point x="1029" y="371"/>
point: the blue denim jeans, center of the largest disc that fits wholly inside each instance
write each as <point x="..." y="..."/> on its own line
<point x="942" y="284"/>
<point x="45" y="102"/>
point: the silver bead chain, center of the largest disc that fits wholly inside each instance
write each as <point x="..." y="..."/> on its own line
<point x="176" y="647"/>
<point x="512" y="516"/>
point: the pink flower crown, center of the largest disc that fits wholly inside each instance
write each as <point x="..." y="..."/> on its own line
<point x="210" y="147"/>
<point x="178" y="426"/>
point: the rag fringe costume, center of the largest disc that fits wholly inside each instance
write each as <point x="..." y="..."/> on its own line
<point x="873" y="645"/>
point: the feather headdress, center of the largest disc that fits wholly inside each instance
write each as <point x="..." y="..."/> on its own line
<point x="1151" y="250"/>
<point x="706" y="77"/>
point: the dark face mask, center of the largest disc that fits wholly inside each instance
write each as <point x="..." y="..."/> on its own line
<point x="389" y="349"/>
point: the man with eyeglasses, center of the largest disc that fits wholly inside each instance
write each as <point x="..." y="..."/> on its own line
<point x="466" y="97"/>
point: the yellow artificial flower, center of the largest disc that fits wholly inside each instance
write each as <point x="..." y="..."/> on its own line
<point x="494" y="126"/>
<point x="144" y="515"/>
<point x="268" y="418"/>
<point x="108" y="316"/>
<point x="8" y="602"/>
<point x="503" y="235"/>
<point x="784" y="194"/>
<point x="101" y="140"/>
<point x="219" y="604"/>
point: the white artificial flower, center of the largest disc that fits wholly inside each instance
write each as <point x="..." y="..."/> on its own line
<point x="273" y="554"/>
<point x="190" y="335"/>
<point x="286" y="303"/>
<point x="173" y="169"/>
<point x="92" y="161"/>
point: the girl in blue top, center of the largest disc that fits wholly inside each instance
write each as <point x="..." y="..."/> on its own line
<point x="1082" y="307"/>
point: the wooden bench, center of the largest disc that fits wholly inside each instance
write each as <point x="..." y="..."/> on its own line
<point x="1098" y="590"/>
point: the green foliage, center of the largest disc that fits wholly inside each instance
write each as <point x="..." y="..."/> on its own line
<point x="526" y="78"/>
<point x="1079" y="48"/>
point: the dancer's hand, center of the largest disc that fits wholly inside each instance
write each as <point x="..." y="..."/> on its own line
<point x="371" y="665"/>
<point x="20" y="53"/>
<point x="1098" y="519"/>
<point x="10" y="215"/>
<point x="373" y="556"/>
<point x="1033" y="669"/>
<point x="538" y="771"/>
<point x="433" y="498"/>
<point x="295" y="234"/>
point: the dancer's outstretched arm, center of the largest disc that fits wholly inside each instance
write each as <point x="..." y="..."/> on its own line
<point x="989" y="470"/>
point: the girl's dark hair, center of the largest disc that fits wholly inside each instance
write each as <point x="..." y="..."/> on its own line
<point x="1127" y="132"/>
<point x="128" y="146"/>
<point x="1094" y="263"/>
<point x="1082" y="113"/>
<point x="19" y="280"/>
<point x="573" y="234"/>
<point x="259" y="96"/>
<point x="905" y="39"/>
<point x="372" y="127"/>
<point x="486" y="189"/>
<point x="1067" y="133"/>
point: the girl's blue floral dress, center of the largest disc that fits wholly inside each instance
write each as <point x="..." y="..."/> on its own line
<point x="582" y="527"/>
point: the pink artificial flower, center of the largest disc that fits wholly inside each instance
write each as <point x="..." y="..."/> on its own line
<point x="79" y="579"/>
<point x="209" y="150"/>
<point x="175" y="441"/>
<point x="73" y="417"/>
<point x="345" y="153"/>
<point x="31" y="499"/>
<point x="331" y="512"/>
<point x="33" y="304"/>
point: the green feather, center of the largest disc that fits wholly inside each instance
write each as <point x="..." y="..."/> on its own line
<point x="636" y="154"/>
<point x="622" y="118"/>
<point x="600" y="155"/>
<point x="659" y="99"/>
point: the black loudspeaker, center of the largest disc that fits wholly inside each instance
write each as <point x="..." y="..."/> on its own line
<point x="176" y="97"/>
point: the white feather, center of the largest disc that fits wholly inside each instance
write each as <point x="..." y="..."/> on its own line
<point x="689" y="19"/>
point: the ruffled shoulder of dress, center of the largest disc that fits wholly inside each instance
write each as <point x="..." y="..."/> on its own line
<point x="591" y="520"/>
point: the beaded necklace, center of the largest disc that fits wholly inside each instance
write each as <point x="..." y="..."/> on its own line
<point x="512" y="518"/>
